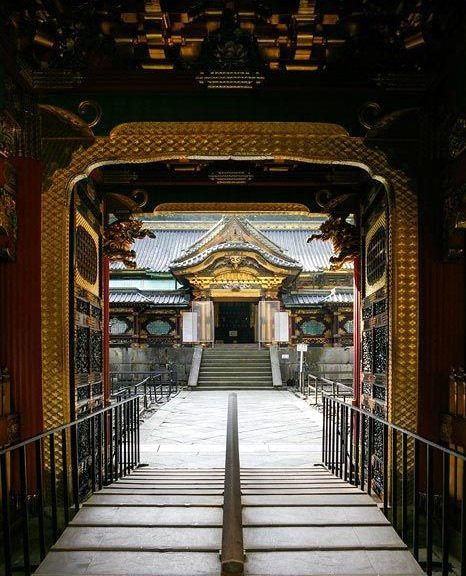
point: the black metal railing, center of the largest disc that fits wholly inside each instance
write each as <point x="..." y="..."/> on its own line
<point x="153" y="387"/>
<point x="421" y="485"/>
<point x="314" y="387"/>
<point x="44" y="479"/>
<point x="232" y="554"/>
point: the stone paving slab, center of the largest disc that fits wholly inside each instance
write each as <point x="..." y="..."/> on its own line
<point x="131" y="499"/>
<point x="138" y="539"/>
<point x="190" y="430"/>
<point x="147" y="516"/>
<point x="165" y="492"/>
<point x="325" y="563"/>
<point x="313" y="516"/>
<point x="116" y="563"/>
<point x="320" y="538"/>
<point x="166" y="519"/>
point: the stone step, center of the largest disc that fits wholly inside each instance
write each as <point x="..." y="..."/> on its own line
<point x="235" y="352"/>
<point x="235" y="385"/>
<point x="146" y="474"/>
<point x="229" y="369"/>
<point x="246" y="480"/>
<point x="142" y="500"/>
<point x="230" y="360"/>
<point x="236" y="374"/>
<point x="246" y="486"/>
<point x="235" y="378"/>
<point x="154" y="539"/>
<point x="235" y="366"/>
<point x="329" y="516"/>
<point x="131" y="498"/>
<point x="243" y="354"/>
<point x="245" y="357"/>
<point x="307" y="477"/>
<point x="209" y="539"/>
<point x="145" y="516"/>
<point x="203" y="387"/>
<point x="232" y="387"/>
<point x="146" y="498"/>
<point x="229" y="354"/>
<point x="204" y="491"/>
<point x="264" y="563"/>
<point x="116" y="563"/>
<point x="324" y="562"/>
<point x="238" y="365"/>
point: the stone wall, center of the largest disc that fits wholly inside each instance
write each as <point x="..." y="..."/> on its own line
<point x="332" y="363"/>
<point x="145" y="359"/>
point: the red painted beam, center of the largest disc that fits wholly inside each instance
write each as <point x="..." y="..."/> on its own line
<point x="20" y="302"/>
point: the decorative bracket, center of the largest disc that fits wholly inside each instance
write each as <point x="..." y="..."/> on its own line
<point x="8" y="216"/>
<point x="119" y="238"/>
<point x="343" y="235"/>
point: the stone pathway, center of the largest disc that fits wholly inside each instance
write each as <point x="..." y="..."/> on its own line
<point x="166" y="519"/>
<point x="276" y="429"/>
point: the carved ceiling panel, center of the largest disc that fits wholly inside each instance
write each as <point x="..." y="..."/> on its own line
<point x="223" y="44"/>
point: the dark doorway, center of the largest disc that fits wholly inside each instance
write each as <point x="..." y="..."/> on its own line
<point x="234" y="324"/>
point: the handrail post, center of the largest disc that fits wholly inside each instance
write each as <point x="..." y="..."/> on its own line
<point x="232" y="555"/>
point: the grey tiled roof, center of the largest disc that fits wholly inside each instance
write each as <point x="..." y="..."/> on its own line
<point x="313" y="256"/>
<point x="235" y="246"/>
<point x="297" y="300"/>
<point x="155" y="254"/>
<point x="198" y="252"/>
<point x="149" y="297"/>
<point x="338" y="295"/>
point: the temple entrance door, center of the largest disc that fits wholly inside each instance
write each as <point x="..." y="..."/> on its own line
<point x="235" y="322"/>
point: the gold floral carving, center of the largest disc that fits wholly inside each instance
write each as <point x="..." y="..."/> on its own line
<point x="235" y="207"/>
<point x="303" y="142"/>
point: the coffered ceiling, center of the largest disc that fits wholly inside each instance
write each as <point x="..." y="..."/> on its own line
<point x="218" y="44"/>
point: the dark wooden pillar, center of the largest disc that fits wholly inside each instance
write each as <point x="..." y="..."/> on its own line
<point x="357" y="334"/>
<point x="106" y="327"/>
<point x="20" y="302"/>
<point x="442" y="309"/>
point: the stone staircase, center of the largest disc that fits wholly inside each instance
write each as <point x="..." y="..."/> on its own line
<point x="168" y="522"/>
<point x="229" y="368"/>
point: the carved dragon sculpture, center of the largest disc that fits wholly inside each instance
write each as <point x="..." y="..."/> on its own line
<point x="343" y="235"/>
<point x="119" y="239"/>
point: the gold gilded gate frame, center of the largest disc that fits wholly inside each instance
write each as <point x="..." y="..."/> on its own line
<point x="306" y="142"/>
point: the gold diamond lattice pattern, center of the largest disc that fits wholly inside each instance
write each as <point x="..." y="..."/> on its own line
<point x="313" y="143"/>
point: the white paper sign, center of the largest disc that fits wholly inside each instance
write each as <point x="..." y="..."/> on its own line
<point x="281" y="327"/>
<point x="190" y="327"/>
<point x="301" y="347"/>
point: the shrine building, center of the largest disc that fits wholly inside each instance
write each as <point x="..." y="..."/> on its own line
<point x="232" y="287"/>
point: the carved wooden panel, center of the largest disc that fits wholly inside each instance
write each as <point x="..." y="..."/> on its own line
<point x="307" y="142"/>
<point x="375" y="336"/>
<point x="87" y="353"/>
<point x="86" y="255"/>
